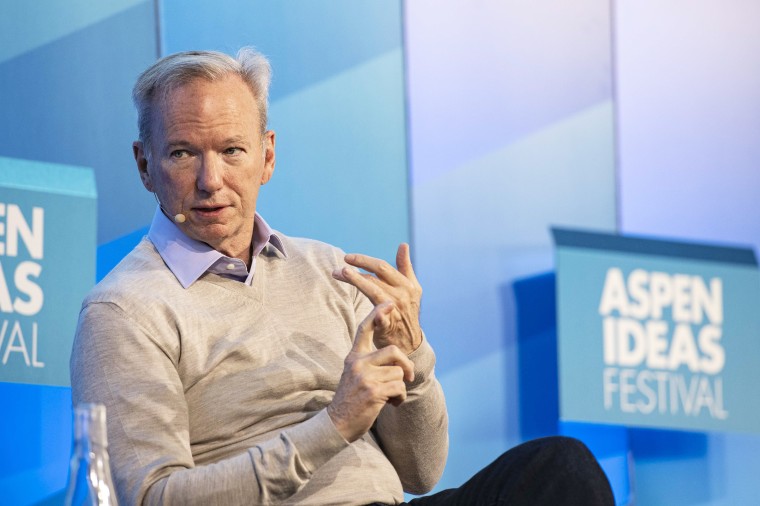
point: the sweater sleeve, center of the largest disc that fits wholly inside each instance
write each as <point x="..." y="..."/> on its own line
<point x="414" y="435"/>
<point x="118" y="363"/>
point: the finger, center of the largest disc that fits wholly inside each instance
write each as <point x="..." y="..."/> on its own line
<point x="404" y="262"/>
<point x="378" y="267"/>
<point x="389" y="373"/>
<point x="392" y="355"/>
<point x="393" y="391"/>
<point x="363" y="339"/>
<point x="364" y="283"/>
<point x="396" y="401"/>
<point x="383" y="316"/>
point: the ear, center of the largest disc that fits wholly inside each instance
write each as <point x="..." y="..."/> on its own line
<point x="142" y="164"/>
<point x="269" y="157"/>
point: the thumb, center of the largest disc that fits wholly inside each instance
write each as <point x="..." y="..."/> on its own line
<point x="363" y="341"/>
<point x="404" y="262"/>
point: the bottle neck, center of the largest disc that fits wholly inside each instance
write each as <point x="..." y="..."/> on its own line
<point x="85" y="448"/>
<point x="90" y="479"/>
<point x="90" y="426"/>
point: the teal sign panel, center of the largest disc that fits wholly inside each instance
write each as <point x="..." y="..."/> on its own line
<point x="657" y="333"/>
<point x="47" y="265"/>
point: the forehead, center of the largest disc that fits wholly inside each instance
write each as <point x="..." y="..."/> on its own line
<point x="200" y="100"/>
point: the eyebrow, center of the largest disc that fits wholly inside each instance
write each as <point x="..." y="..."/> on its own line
<point x="235" y="139"/>
<point x="177" y="144"/>
<point x="180" y="143"/>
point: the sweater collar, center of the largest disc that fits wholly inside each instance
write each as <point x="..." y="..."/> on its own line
<point x="189" y="259"/>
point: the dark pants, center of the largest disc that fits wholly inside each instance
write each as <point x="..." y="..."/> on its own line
<point x="553" y="471"/>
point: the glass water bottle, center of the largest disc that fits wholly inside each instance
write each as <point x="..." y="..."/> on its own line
<point x="90" y="480"/>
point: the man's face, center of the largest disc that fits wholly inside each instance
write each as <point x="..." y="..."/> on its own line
<point x="208" y="160"/>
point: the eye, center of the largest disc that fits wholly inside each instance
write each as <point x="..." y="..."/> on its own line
<point x="233" y="151"/>
<point x="179" y="153"/>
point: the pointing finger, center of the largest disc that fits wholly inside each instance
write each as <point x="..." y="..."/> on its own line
<point x="378" y="317"/>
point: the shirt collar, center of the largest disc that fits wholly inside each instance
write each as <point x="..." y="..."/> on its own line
<point x="189" y="259"/>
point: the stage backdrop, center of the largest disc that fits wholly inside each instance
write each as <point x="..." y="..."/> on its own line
<point x="511" y="130"/>
<point x="337" y="105"/>
<point x="515" y="111"/>
<point x="688" y="119"/>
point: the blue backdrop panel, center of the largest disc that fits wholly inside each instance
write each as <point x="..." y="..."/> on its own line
<point x="68" y="101"/>
<point x="486" y="74"/>
<point x="307" y="40"/>
<point x="486" y="171"/>
<point x="536" y="318"/>
<point x="66" y="72"/>
<point x="688" y="102"/>
<point x="35" y="430"/>
<point x="511" y="130"/>
<point x="337" y="106"/>
<point x="36" y="442"/>
<point x="688" y="145"/>
<point x="27" y="25"/>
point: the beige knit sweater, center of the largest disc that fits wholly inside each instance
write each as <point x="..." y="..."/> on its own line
<point x="216" y="394"/>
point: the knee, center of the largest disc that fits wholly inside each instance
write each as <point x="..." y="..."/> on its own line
<point x="562" y="453"/>
<point x="552" y="447"/>
<point x="564" y="447"/>
<point x="565" y="466"/>
<point x="554" y="470"/>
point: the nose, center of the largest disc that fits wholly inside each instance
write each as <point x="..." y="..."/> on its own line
<point x="209" y="177"/>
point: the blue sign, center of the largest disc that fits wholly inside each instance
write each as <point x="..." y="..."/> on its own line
<point x="657" y="333"/>
<point x="47" y="265"/>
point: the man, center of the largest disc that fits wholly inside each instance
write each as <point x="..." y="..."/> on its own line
<point x="242" y="366"/>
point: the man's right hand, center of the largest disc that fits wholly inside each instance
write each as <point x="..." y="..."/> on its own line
<point x="371" y="378"/>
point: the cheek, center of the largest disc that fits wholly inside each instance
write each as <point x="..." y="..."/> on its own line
<point x="176" y="186"/>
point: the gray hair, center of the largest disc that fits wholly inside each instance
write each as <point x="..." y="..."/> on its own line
<point x="178" y="69"/>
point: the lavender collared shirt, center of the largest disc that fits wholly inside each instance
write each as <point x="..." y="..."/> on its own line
<point x="189" y="259"/>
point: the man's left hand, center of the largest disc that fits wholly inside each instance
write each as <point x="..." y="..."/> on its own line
<point x="385" y="284"/>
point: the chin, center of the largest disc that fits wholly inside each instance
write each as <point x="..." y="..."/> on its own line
<point x="213" y="235"/>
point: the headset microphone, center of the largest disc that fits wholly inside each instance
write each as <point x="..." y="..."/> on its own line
<point x="178" y="218"/>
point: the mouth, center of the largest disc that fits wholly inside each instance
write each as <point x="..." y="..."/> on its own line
<point x="209" y="211"/>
